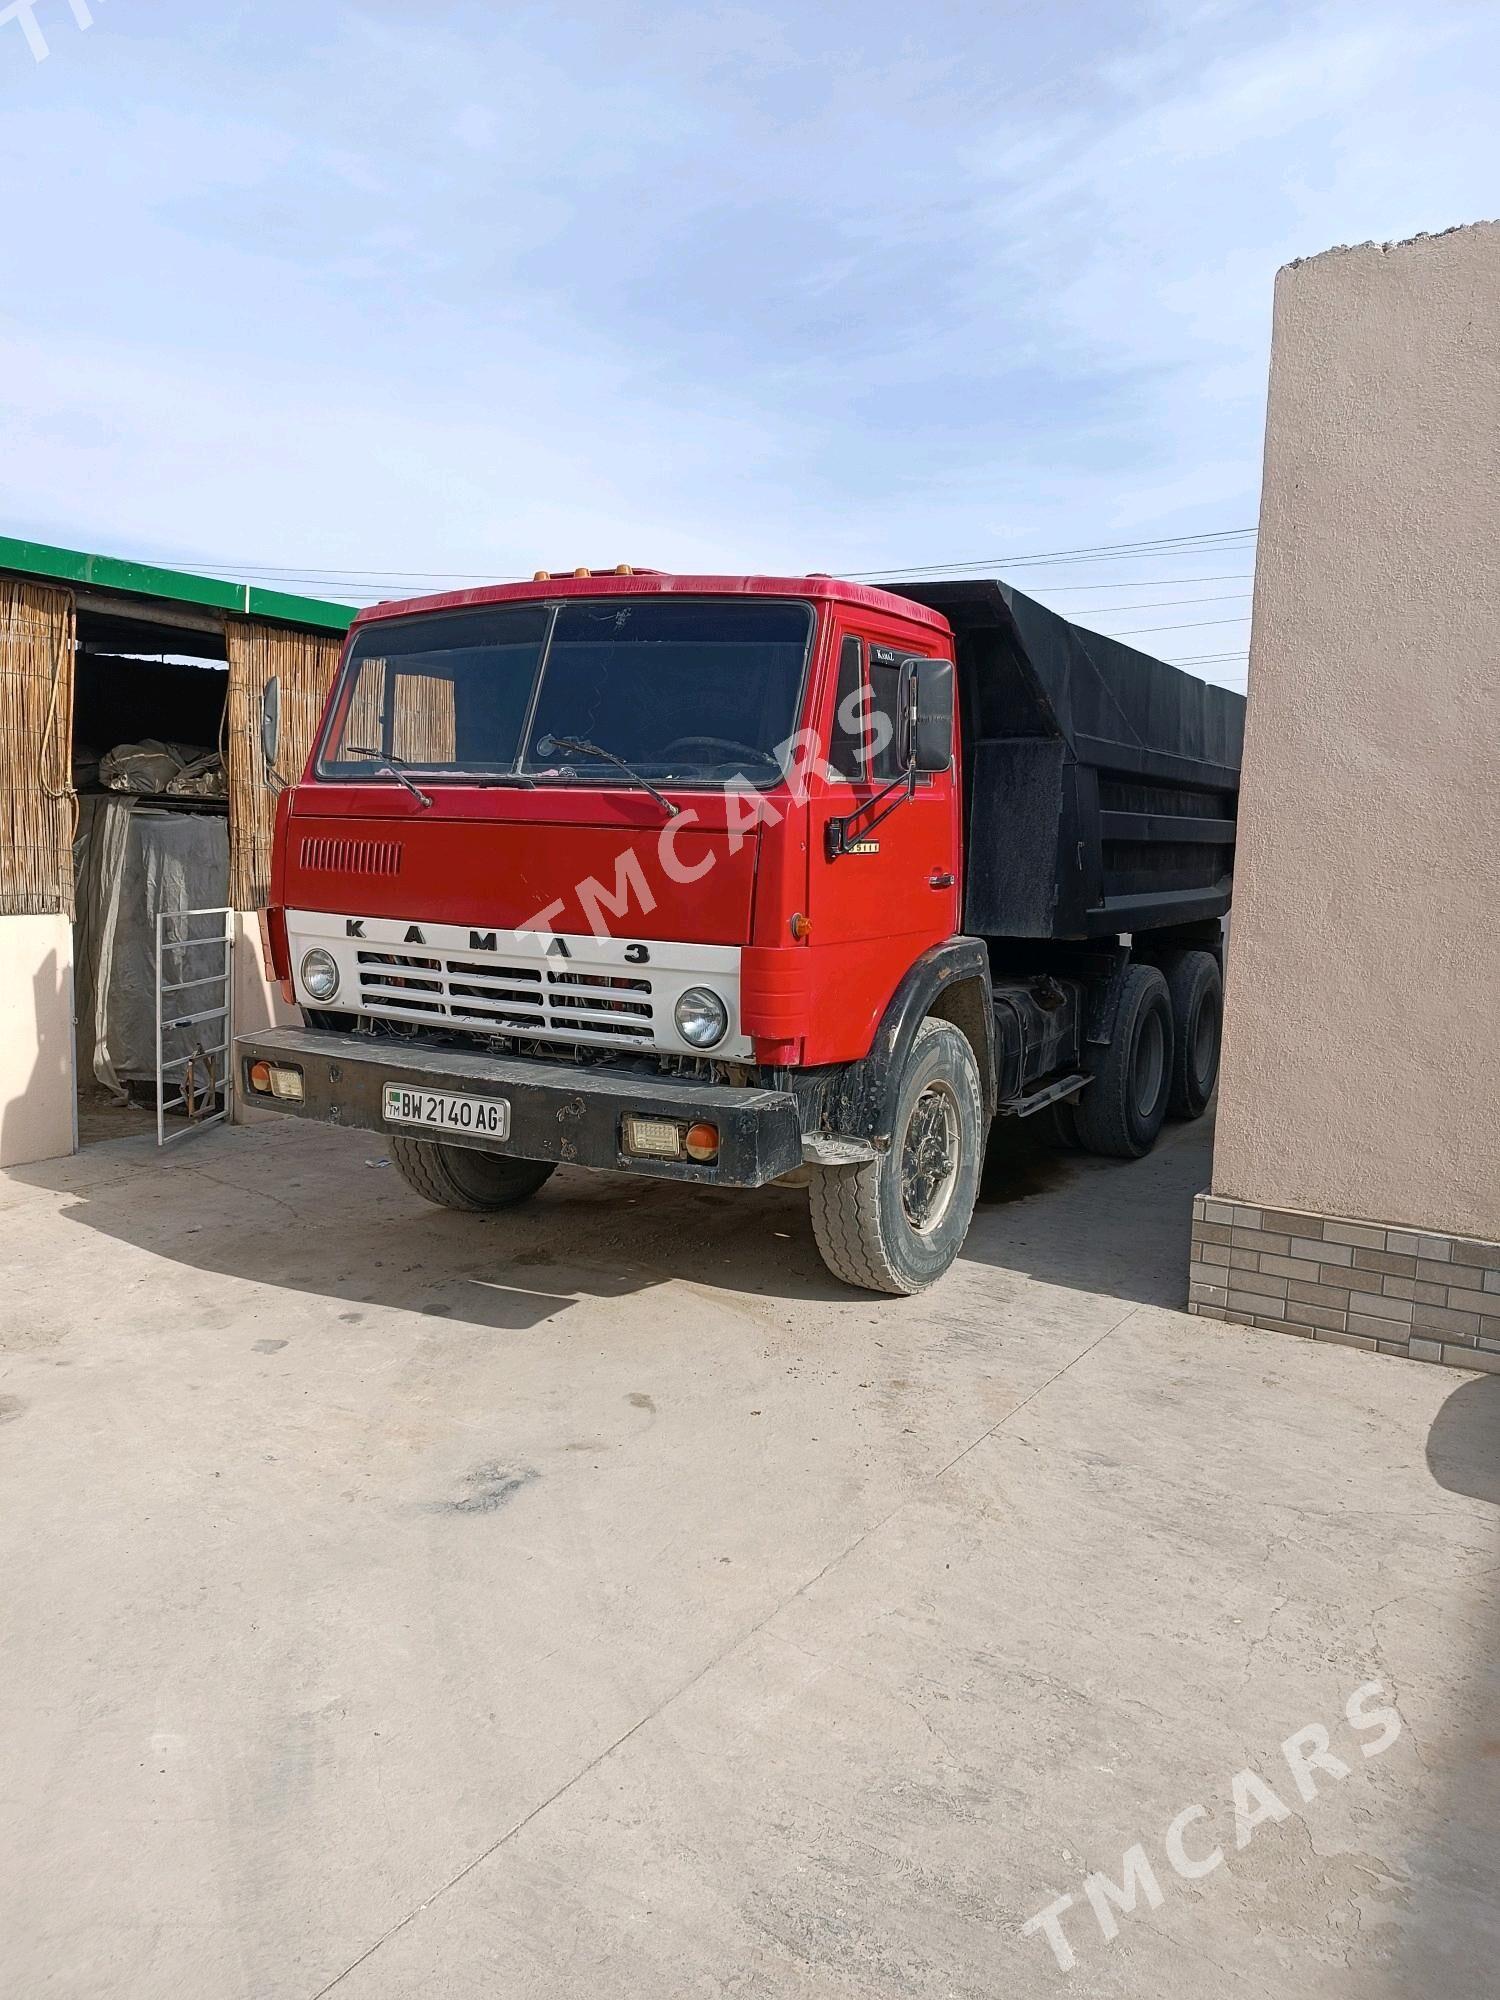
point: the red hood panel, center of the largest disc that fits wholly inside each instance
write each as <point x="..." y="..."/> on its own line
<point x="509" y="872"/>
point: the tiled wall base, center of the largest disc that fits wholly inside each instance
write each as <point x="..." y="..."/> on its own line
<point x="1432" y="1298"/>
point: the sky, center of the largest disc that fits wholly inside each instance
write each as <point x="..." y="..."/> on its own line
<point x="362" y="297"/>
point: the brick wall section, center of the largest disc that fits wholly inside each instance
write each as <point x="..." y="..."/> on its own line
<point x="1398" y="1291"/>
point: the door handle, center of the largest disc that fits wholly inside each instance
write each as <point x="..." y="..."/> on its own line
<point x="940" y="879"/>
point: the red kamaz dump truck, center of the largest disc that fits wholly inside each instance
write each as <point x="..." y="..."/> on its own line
<point x="721" y="879"/>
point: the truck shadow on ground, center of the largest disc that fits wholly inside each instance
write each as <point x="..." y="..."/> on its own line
<point x="324" y="1213"/>
<point x="1117" y="1227"/>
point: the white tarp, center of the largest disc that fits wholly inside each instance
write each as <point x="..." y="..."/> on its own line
<point x="135" y="860"/>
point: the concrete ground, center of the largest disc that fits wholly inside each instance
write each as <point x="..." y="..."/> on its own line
<point x="600" y="1601"/>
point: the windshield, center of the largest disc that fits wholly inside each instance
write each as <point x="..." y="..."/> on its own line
<point x="681" y="690"/>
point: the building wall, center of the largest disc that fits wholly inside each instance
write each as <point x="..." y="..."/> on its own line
<point x="36" y="1039"/>
<point x="257" y="1003"/>
<point x="1362" y="1058"/>
<point x="1360" y="1093"/>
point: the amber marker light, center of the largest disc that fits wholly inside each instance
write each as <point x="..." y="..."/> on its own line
<point x="702" y="1143"/>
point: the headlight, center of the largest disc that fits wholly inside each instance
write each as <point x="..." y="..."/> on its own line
<point x="320" y="975"/>
<point x="702" y="1018"/>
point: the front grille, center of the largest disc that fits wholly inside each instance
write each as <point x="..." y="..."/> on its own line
<point x="330" y="855"/>
<point x="486" y="997"/>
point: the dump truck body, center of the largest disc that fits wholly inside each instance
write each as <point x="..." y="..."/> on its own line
<point x="1101" y="783"/>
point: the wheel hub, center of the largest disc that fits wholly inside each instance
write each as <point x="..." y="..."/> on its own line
<point x="929" y="1158"/>
<point x="1150" y="1064"/>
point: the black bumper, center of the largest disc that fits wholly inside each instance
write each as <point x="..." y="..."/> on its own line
<point x="558" y="1111"/>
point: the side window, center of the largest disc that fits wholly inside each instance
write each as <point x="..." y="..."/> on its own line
<point x="885" y="698"/>
<point x="846" y="742"/>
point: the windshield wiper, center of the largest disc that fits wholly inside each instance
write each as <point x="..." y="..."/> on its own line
<point x="581" y="747"/>
<point x="395" y="765"/>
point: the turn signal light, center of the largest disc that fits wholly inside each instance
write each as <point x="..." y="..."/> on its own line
<point x="275" y="952"/>
<point x="702" y="1143"/>
<point x="281" y="1080"/>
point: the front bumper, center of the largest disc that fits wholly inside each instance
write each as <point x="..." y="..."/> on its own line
<point x="560" y="1112"/>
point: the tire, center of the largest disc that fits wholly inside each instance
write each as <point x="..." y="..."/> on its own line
<point x="896" y="1223"/>
<point x="1061" y="1126"/>
<point x="1124" y="1107"/>
<point x="1195" y="987"/>
<point x="463" y="1178"/>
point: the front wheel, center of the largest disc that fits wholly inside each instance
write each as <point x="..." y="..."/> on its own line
<point x="462" y="1177"/>
<point x="895" y="1223"/>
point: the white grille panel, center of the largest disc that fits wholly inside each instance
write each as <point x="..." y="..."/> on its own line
<point x="607" y="992"/>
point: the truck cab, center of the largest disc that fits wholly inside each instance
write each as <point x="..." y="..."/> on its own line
<point x="665" y="875"/>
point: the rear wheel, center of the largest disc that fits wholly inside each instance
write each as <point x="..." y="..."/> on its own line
<point x="1060" y="1123"/>
<point x="1122" y="1110"/>
<point x="1195" y="987"/>
<point x="895" y="1223"/>
<point x="459" y="1177"/>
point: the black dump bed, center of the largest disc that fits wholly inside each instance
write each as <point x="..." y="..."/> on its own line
<point x="1100" y="784"/>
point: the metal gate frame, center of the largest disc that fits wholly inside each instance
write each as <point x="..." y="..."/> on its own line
<point x="219" y="1078"/>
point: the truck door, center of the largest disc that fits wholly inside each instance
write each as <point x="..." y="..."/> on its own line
<point x="875" y="910"/>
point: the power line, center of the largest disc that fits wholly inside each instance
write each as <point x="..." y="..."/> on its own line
<point x="1230" y="662"/>
<point x="346" y="578"/>
<point x="1144" y="583"/>
<point x="331" y="576"/>
<point x="328" y="575"/>
<point x="1096" y="552"/>
<point x="1160" y="604"/>
<point x="1193" y="625"/>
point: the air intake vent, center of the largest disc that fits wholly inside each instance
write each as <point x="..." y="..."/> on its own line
<point x="351" y="857"/>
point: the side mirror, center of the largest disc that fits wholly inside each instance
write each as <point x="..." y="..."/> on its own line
<point x="928" y="709"/>
<point x="270" y="723"/>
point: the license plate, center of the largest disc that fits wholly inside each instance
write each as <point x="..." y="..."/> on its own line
<point x="489" y="1116"/>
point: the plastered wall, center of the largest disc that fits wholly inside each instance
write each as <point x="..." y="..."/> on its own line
<point x="1362" y="1050"/>
<point x="36" y="1039"/>
<point x="257" y="1003"/>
